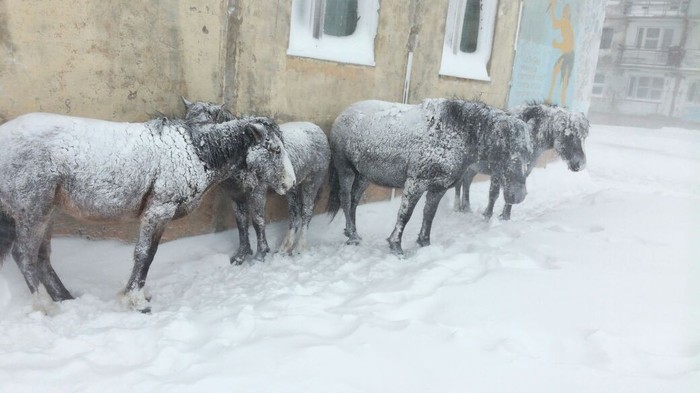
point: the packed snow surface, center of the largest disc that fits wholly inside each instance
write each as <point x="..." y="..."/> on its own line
<point x="594" y="286"/>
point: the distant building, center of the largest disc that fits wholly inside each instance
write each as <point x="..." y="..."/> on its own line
<point x="649" y="59"/>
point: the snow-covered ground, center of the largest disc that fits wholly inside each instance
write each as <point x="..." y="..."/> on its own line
<point x="594" y="286"/>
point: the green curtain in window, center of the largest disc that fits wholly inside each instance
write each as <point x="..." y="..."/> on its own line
<point x="470" y="26"/>
<point x="340" y="18"/>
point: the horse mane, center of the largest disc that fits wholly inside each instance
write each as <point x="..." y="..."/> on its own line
<point x="488" y="128"/>
<point x="548" y="120"/>
<point x="214" y="144"/>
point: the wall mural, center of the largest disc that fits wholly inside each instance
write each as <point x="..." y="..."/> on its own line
<point x="557" y="52"/>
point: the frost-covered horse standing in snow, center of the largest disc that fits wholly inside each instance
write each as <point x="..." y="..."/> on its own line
<point x="309" y="154"/>
<point x="551" y="127"/>
<point x="156" y="171"/>
<point x="422" y="148"/>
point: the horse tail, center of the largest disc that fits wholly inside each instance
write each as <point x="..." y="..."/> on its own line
<point x="334" y="195"/>
<point x="8" y="235"/>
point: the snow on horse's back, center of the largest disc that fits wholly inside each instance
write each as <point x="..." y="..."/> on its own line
<point x="156" y="171"/>
<point x="422" y="148"/>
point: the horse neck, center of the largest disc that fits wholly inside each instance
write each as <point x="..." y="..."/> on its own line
<point x="541" y="142"/>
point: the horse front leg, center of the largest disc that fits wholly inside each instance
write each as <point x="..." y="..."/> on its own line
<point x="432" y="200"/>
<point x="294" y="203"/>
<point x="153" y="223"/>
<point x="505" y="215"/>
<point x="457" y="205"/>
<point x="307" y="213"/>
<point x="494" y="190"/>
<point x="257" y="206"/>
<point x="241" y="214"/>
<point x="411" y="194"/>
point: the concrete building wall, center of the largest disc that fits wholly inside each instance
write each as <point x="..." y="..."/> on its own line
<point x="113" y="60"/>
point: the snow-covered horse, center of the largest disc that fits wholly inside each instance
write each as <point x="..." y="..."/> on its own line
<point x="422" y="148"/>
<point x="155" y="171"/>
<point x="309" y="154"/>
<point x="551" y="127"/>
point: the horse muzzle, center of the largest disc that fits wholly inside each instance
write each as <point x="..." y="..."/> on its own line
<point x="577" y="164"/>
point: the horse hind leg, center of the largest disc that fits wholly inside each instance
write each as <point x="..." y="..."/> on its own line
<point x="25" y="252"/>
<point x="307" y="213"/>
<point x="432" y="200"/>
<point x="48" y="276"/>
<point x="346" y="178"/>
<point x="358" y="189"/>
<point x="294" y="204"/>
<point x="8" y="235"/>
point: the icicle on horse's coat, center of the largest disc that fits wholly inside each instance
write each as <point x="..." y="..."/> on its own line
<point x="422" y="148"/>
<point x="551" y="127"/>
<point x="155" y="171"/>
<point x="309" y="154"/>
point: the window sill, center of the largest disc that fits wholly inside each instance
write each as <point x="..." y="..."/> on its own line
<point x="337" y="49"/>
<point x="464" y="67"/>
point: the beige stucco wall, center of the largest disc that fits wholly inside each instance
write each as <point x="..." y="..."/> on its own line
<point x="115" y="60"/>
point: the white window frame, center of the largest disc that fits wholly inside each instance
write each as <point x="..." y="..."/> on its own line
<point x="468" y="65"/>
<point x="633" y="84"/>
<point x="357" y="48"/>
<point x="643" y="41"/>
<point x="600" y="85"/>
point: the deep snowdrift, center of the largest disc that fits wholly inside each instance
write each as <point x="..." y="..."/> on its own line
<point x="594" y="286"/>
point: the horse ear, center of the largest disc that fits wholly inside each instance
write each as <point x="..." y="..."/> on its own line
<point x="257" y="132"/>
<point x="186" y="102"/>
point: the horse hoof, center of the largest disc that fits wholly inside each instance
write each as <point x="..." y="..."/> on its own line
<point x="146" y="310"/>
<point x="353" y="241"/>
<point x="503" y="217"/>
<point x="260" y="256"/>
<point x="423" y="242"/>
<point x="396" y="249"/>
<point x="237" y="260"/>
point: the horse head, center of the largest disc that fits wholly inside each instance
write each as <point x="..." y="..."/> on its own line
<point x="270" y="161"/>
<point x="510" y="158"/>
<point x="572" y="130"/>
<point x="205" y="112"/>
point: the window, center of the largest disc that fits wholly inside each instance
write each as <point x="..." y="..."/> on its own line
<point x="651" y="38"/>
<point x="694" y="92"/>
<point x="336" y="30"/>
<point x="645" y="88"/>
<point x="598" y="84"/>
<point x="606" y="38"/>
<point x="468" y="38"/>
<point x="648" y="37"/>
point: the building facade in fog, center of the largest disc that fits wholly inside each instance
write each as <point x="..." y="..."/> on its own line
<point x="649" y="59"/>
